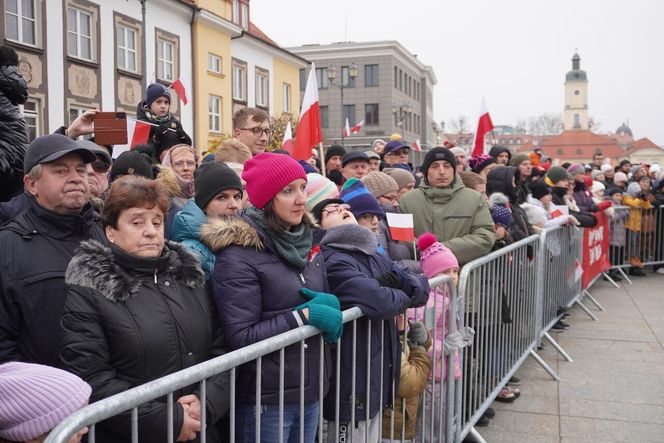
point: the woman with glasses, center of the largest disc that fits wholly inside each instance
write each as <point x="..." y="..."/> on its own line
<point x="177" y="173"/>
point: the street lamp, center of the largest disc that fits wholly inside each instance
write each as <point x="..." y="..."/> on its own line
<point x="353" y="71"/>
<point x="402" y="111"/>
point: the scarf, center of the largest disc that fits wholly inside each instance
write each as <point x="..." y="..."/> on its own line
<point x="291" y="245"/>
<point x="153" y="118"/>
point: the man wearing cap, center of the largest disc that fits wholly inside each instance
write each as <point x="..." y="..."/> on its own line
<point x="354" y="164"/>
<point x="374" y="161"/>
<point x="38" y="244"/>
<point x="396" y="153"/>
<point x="461" y="159"/>
<point x="458" y="216"/>
<point x="333" y="158"/>
<point x="97" y="171"/>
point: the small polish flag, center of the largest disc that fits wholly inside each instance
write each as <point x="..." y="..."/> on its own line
<point x="483" y="126"/>
<point x="138" y="133"/>
<point x="308" y="132"/>
<point x="558" y="211"/>
<point x="401" y="226"/>
<point x="416" y="146"/>
<point x="287" y="144"/>
<point x="347" y="129"/>
<point x="178" y="87"/>
<point x="355" y="129"/>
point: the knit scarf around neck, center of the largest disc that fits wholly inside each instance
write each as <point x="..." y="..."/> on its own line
<point x="291" y="245"/>
<point x="154" y="118"/>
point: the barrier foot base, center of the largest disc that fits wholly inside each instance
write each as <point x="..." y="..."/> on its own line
<point x="592" y="299"/>
<point x="558" y="348"/>
<point x="586" y="310"/>
<point x="543" y="364"/>
<point x="624" y="276"/>
<point x="476" y="435"/>
<point x="608" y="277"/>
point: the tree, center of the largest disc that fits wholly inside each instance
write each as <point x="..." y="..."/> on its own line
<point x="278" y="126"/>
<point x="459" y="125"/>
<point x="594" y="124"/>
<point x="521" y="126"/>
<point x="546" y="124"/>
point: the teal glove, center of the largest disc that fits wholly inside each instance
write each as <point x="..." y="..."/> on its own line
<point x="320" y="298"/>
<point x="328" y="320"/>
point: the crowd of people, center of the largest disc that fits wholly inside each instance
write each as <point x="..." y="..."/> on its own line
<point x="116" y="272"/>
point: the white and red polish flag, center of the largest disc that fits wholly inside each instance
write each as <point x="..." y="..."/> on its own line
<point x="416" y="146"/>
<point x="346" y="129"/>
<point x="483" y="126"/>
<point x="401" y="226"/>
<point x="357" y="128"/>
<point x="308" y="129"/>
<point x="138" y="133"/>
<point x="287" y="143"/>
<point x="178" y="87"/>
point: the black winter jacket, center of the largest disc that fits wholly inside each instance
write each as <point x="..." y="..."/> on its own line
<point x="352" y="268"/>
<point x="13" y="131"/>
<point x="500" y="181"/>
<point x="37" y="246"/>
<point x="256" y="291"/>
<point x="586" y="219"/>
<point x="129" y="320"/>
<point x="166" y="134"/>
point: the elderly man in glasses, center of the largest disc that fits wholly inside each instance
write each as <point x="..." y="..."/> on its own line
<point x="252" y="127"/>
<point x="97" y="171"/>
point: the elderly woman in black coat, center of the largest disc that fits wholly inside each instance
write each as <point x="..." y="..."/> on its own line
<point x="137" y="310"/>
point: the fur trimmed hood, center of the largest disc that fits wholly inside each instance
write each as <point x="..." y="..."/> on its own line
<point x="498" y="198"/>
<point x="97" y="267"/>
<point x="218" y="234"/>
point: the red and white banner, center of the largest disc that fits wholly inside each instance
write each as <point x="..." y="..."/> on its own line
<point x="595" y="250"/>
<point x="416" y="146"/>
<point x="346" y="129"/>
<point x="402" y="227"/>
<point x="357" y="128"/>
<point x="179" y="88"/>
<point x="138" y="133"/>
<point x="483" y="126"/>
<point x="287" y="143"/>
<point x="308" y="132"/>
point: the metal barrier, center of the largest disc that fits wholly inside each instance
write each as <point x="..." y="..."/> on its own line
<point x="433" y="421"/>
<point x="499" y="295"/>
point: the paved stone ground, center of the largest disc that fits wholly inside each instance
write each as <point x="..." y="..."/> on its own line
<point x="614" y="389"/>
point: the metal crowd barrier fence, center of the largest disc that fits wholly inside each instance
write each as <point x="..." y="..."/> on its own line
<point x="435" y="418"/>
<point x="499" y="296"/>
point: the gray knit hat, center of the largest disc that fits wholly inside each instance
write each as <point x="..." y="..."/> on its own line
<point x="557" y="173"/>
<point x="401" y="176"/>
<point x="379" y="183"/>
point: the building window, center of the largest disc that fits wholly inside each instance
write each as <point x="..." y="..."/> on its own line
<point x="31" y="114"/>
<point x="165" y="60"/>
<point x="324" y="117"/>
<point x="346" y="80"/>
<point x="303" y="79"/>
<point x="75" y="111"/>
<point x="214" y="64"/>
<point x="21" y="21"/>
<point x="371" y="113"/>
<point x="244" y="17"/>
<point x="396" y="77"/>
<point x="400" y="80"/>
<point x="286" y="101"/>
<point x="321" y="78"/>
<point x="214" y="107"/>
<point x="79" y="34"/>
<point x="370" y="75"/>
<point x="236" y="12"/>
<point x="348" y="113"/>
<point x="577" y="121"/>
<point x="262" y="87"/>
<point x="239" y="80"/>
<point x="126" y="43"/>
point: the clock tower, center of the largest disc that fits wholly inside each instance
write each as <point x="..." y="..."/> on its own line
<point x="576" y="97"/>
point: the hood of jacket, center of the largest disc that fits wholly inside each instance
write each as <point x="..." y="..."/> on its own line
<point x="351" y="238"/>
<point x="498" y="198"/>
<point x="187" y="223"/>
<point x="220" y="233"/>
<point x="500" y="180"/>
<point x="13" y="85"/>
<point x="497" y="150"/>
<point x="114" y="274"/>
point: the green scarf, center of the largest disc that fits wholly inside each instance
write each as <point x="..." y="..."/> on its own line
<point x="153" y="118"/>
<point x="291" y="245"/>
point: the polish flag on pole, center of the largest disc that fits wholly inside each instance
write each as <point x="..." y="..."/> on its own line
<point x="138" y="133"/>
<point x="346" y="129"/>
<point x="401" y="226"/>
<point x="357" y="128"/>
<point x="287" y="143"/>
<point x="416" y="146"/>
<point x="308" y="130"/>
<point x="178" y="87"/>
<point x="483" y="126"/>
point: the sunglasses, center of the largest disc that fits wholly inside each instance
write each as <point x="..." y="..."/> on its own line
<point x="100" y="166"/>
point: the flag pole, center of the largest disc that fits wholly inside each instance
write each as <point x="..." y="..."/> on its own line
<point x="322" y="159"/>
<point x="494" y="137"/>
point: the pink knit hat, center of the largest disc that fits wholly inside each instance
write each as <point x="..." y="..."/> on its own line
<point x="266" y="174"/>
<point x="34" y="399"/>
<point x="434" y="256"/>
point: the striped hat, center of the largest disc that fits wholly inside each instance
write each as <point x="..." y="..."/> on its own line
<point x="319" y="188"/>
<point x="360" y="200"/>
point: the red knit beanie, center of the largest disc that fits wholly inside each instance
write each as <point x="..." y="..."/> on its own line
<point x="266" y="174"/>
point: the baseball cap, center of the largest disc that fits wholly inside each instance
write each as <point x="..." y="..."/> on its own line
<point x="395" y="145"/>
<point x="51" y="147"/>
<point x="101" y="152"/>
<point x="132" y="162"/>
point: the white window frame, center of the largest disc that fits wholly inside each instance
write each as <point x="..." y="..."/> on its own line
<point x="163" y="63"/>
<point x="239" y="81"/>
<point x="286" y="99"/>
<point x="78" y="35"/>
<point x="79" y="110"/>
<point x="125" y="50"/>
<point x="236" y="12"/>
<point x="214" y="63"/>
<point x="214" y="108"/>
<point x="262" y="88"/>
<point x="35" y="114"/>
<point x="20" y="17"/>
<point x="244" y="16"/>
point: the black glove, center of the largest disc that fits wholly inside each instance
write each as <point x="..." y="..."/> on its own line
<point x="389" y="280"/>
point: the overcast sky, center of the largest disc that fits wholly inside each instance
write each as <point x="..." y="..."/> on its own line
<point x="513" y="52"/>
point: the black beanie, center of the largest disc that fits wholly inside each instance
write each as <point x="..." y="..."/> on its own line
<point x="132" y="163"/>
<point x="317" y="211"/>
<point x="212" y="178"/>
<point x="334" y="150"/>
<point x="437" y="153"/>
<point x="156" y="90"/>
<point x="539" y="189"/>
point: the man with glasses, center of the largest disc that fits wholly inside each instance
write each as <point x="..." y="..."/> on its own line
<point x="396" y="153"/>
<point x="252" y="127"/>
<point x="97" y="171"/>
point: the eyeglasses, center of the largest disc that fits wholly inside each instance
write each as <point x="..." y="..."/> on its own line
<point x="379" y="217"/>
<point x="258" y="131"/>
<point x="99" y="166"/>
<point x="181" y="164"/>
<point x="330" y="209"/>
<point x="400" y="152"/>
